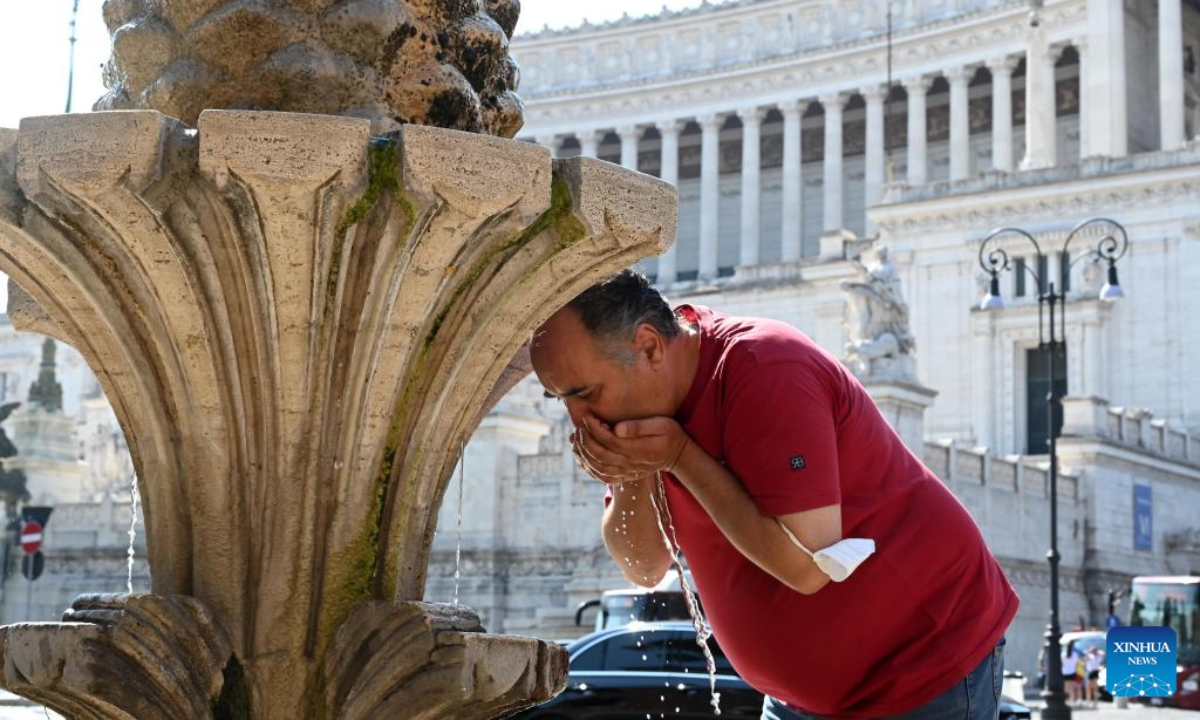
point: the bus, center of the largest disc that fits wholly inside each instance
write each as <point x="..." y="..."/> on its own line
<point x="1173" y="602"/>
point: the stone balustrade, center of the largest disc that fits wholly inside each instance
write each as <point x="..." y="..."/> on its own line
<point x="957" y="465"/>
<point x="1092" y="417"/>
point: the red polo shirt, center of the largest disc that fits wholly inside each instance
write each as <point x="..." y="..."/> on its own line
<point x="800" y="433"/>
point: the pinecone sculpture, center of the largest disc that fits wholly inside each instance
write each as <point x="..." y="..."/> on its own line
<point x="428" y="62"/>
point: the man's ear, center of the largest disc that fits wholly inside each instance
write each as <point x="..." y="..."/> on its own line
<point x="649" y="343"/>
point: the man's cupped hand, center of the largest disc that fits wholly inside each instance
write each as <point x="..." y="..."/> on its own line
<point x="630" y="450"/>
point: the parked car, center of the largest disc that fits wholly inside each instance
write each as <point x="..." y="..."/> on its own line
<point x="658" y="668"/>
<point x="1012" y="710"/>
<point x="642" y="668"/>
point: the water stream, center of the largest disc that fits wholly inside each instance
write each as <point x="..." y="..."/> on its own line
<point x="462" y="471"/>
<point x="689" y="595"/>
<point x="133" y="493"/>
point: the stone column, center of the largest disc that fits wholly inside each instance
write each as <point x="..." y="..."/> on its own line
<point x="903" y="402"/>
<point x="1085" y="142"/>
<point x="1041" y="131"/>
<point x="670" y="172"/>
<point x="751" y="183"/>
<point x="1002" y="128"/>
<point x="960" y="122"/>
<point x="833" y="105"/>
<point x="1170" y="72"/>
<point x="917" y="161"/>
<point x="1093" y="364"/>
<point x="589" y="143"/>
<point x="791" y="228"/>
<point x="550" y="142"/>
<point x="875" y="151"/>
<point x="710" y="195"/>
<point x="629" y="135"/>
<point x="1108" y="125"/>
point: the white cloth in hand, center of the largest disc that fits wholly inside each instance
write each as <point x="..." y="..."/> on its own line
<point x="839" y="560"/>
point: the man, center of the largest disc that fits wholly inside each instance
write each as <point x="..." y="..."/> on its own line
<point x="769" y="449"/>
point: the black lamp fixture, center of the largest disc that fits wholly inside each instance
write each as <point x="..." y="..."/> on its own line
<point x="993" y="258"/>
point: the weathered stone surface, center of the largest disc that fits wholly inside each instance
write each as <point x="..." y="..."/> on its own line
<point x="434" y="661"/>
<point x="432" y="62"/>
<point x="297" y="327"/>
<point x="124" y="657"/>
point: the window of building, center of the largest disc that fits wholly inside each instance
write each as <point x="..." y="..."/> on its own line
<point x="1037" y="391"/>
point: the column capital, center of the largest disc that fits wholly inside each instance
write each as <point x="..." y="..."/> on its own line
<point x="917" y="84"/>
<point x="1003" y="65"/>
<point x="668" y="127"/>
<point x="752" y="114"/>
<point x="627" y="131"/>
<point x="1079" y="43"/>
<point x="959" y="75"/>
<point x="549" y="140"/>
<point x="873" y="94"/>
<point x="710" y="121"/>
<point x="834" y="101"/>
<point x="792" y="109"/>
<point x="1056" y="50"/>
<point x="590" y="134"/>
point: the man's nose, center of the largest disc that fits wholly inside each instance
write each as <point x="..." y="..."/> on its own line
<point x="576" y="409"/>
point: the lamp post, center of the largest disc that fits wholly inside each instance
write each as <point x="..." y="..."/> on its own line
<point x="1052" y="305"/>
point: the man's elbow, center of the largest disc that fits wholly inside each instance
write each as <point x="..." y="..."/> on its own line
<point x="809" y="582"/>
<point x="642" y="576"/>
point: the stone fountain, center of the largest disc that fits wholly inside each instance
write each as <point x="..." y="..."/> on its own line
<point x="302" y="256"/>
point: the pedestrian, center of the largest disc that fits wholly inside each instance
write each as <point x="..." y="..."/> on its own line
<point x="1073" y="673"/>
<point x="840" y="575"/>
<point x="1093" y="664"/>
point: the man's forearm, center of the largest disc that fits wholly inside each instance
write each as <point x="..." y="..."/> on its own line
<point x="758" y="538"/>
<point x="632" y="535"/>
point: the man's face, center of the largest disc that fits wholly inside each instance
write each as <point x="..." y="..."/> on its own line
<point x="573" y="367"/>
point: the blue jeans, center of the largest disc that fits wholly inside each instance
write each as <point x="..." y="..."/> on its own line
<point x="975" y="697"/>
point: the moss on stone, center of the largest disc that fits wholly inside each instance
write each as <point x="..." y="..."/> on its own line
<point x="386" y="157"/>
<point x="557" y="217"/>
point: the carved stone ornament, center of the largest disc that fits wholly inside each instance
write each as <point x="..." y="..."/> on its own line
<point x="297" y="325"/>
<point x="429" y="62"/>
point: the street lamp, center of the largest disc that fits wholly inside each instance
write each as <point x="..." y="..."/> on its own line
<point x="995" y="260"/>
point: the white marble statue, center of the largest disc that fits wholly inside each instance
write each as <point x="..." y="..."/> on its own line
<point x="879" y="343"/>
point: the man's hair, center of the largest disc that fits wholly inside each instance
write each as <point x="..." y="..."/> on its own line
<point x="613" y="309"/>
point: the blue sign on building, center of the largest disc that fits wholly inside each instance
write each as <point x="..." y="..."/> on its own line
<point x="1143" y="518"/>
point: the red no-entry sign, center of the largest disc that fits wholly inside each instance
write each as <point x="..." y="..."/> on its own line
<point x="31" y="537"/>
